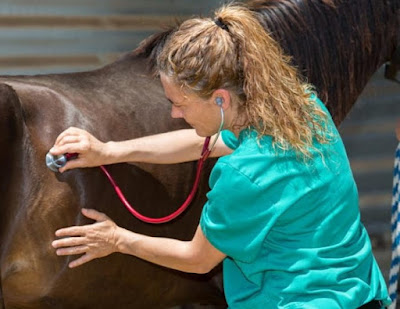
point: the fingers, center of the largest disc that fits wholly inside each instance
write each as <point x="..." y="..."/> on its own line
<point x="71" y="165"/>
<point x="82" y="260"/>
<point x="70" y="141"/>
<point x="94" y="240"/>
<point x="71" y="144"/>
<point x="86" y="257"/>
<point x="72" y="250"/>
<point x="70" y="131"/>
<point x="94" y="214"/>
<point x="68" y="242"/>
<point x="82" y="229"/>
<point x="75" y="147"/>
<point x="71" y="231"/>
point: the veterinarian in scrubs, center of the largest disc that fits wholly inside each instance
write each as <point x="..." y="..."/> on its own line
<point x="282" y="211"/>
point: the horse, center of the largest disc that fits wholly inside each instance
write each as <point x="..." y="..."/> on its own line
<point x="121" y="101"/>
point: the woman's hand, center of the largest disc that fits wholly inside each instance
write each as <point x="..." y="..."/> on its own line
<point x="92" y="152"/>
<point x="93" y="241"/>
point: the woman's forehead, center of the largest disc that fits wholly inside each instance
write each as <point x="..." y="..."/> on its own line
<point x="175" y="91"/>
<point x="169" y="86"/>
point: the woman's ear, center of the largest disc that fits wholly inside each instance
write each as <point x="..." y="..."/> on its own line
<point x="222" y="98"/>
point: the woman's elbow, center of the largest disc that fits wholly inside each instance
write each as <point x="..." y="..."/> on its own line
<point x="204" y="267"/>
<point x="203" y="264"/>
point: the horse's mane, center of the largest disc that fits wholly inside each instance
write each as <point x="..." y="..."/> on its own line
<point x="336" y="45"/>
<point x="151" y="47"/>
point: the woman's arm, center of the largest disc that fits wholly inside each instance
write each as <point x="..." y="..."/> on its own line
<point x="166" y="148"/>
<point x="104" y="237"/>
<point x="195" y="256"/>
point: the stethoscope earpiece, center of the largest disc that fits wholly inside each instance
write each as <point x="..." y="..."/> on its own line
<point x="219" y="101"/>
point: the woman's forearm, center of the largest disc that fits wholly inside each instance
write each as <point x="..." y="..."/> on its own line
<point x="166" y="252"/>
<point x="165" y="148"/>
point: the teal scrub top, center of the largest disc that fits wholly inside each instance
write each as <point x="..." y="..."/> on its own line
<point x="290" y="227"/>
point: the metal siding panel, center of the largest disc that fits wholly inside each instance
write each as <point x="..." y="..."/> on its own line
<point x="66" y="30"/>
<point x="70" y="42"/>
<point x="106" y="7"/>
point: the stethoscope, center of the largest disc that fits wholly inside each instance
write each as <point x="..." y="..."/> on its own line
<point x="56" y="162"/>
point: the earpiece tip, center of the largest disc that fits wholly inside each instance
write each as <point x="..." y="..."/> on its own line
<point x="219" y="101"/>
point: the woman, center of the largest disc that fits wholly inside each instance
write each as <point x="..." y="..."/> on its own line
<point x="282" y="213"/>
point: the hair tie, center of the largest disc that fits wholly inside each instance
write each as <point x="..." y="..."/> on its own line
<point x="221" y="24"/>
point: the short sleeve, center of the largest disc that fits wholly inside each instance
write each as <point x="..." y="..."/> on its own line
<point x="236" y="218"/>
<point x="229" y="139"/>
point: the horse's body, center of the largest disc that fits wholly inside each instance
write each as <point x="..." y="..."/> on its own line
<point x="35" y="201"/>
<point x="121" y="101"/>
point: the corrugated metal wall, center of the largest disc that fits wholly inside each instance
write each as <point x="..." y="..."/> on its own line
<point x="369" y="136"/>
<point x="42" y="36"/>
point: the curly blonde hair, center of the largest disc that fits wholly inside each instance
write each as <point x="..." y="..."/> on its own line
<point x="234" y="52"/>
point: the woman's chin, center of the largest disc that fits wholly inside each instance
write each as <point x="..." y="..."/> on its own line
<point x="202" y="133"/>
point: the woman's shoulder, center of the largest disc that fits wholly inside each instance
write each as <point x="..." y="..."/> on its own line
<point x="253" y="159"/>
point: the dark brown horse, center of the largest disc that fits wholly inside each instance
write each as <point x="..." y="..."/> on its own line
<point x="338" y="45"/>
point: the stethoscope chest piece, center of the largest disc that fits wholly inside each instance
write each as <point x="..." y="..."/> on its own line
<point x="55" y="162"/>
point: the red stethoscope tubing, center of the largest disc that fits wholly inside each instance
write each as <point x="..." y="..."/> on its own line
<point x="204" y="155"/>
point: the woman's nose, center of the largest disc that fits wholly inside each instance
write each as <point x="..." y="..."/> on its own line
<point x="176" y="112"/>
